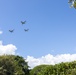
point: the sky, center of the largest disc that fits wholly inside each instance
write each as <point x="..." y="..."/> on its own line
<point x="52" y="30"/>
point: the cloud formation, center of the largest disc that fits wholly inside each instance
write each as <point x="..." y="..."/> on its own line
<point x="1" y="32"/>
<point x="50" y="59"/>
<point x="7" y="49"/>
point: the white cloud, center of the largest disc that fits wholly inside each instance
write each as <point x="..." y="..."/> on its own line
<point x="1" y="32"/>
<point x="7" y="49"/>
<point x="50" y="59"/>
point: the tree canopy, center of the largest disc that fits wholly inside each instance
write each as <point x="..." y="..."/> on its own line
<point x="68" y="68"/>
<point x="72" y="3"/>
<point x="13" y="65"/>
<point x="17" y="65"/>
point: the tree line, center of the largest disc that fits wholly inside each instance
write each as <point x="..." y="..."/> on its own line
<point x="17" y="65"/>
<point x="68" y="68"/>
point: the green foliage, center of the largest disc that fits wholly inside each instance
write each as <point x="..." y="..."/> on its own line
<point x="68" y="68"/>
<point x="72" y="3"/>
<point x="13" y="65"/>
<point x="38" y="70"/>
<point x="16" y="65"/>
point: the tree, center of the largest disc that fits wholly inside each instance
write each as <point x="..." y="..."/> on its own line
<point x="72" y="3"/>
<point x="68" y="68"/>
<point x="13" y="65"/>
<point x="38" y="70"/>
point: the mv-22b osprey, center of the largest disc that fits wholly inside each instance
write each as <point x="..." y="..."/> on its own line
<point x="23" y="22"/>
<point x="11" y="30"/>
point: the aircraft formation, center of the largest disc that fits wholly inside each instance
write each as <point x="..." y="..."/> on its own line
<point x="22" y="22"/>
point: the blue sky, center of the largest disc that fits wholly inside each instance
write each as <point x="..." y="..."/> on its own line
<point x="52" y="28"/>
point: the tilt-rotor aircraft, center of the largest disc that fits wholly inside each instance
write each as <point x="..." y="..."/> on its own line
<point x="23" y="22"/>
<point x="26" y="30"/>
<point x="11" y="30"/>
